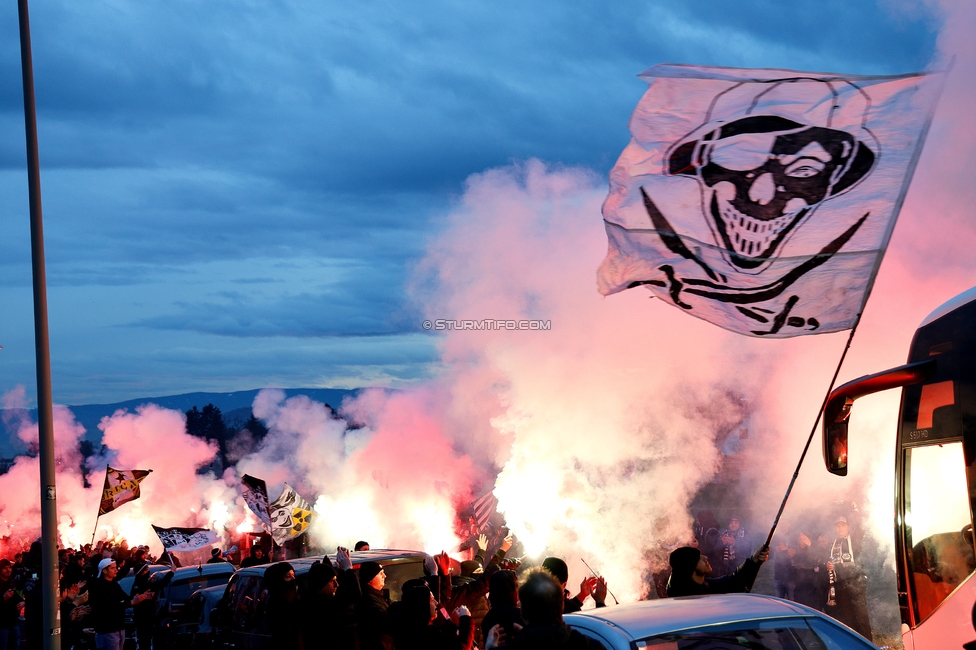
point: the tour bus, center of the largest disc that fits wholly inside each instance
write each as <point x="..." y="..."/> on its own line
<point x="935" y="473"/>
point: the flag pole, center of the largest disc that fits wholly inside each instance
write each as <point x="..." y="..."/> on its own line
<point x="813" y="432"/>
<point x="96" y="527"/>
<point x="50" y="613"/>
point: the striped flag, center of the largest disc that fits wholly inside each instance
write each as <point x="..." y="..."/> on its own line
<point x="484" y="507"/>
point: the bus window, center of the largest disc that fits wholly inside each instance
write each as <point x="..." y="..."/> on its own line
<point x="939" y="529"/>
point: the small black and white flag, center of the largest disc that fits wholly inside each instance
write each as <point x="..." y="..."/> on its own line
<point x="185" y="539"/>
<point x="255" y="493"/>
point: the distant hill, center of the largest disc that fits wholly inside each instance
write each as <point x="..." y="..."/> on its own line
<point x="235" y="407"/>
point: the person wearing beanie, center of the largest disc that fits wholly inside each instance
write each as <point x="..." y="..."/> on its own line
<point x="216" y="557"/>
<point x="108" y="602"/>
<point x="372" y="613"/>
<point x="690" y="570"/>
<point x="503" y="596"/>
<point x="329" y="606"/>
<point x="283" y="602"/>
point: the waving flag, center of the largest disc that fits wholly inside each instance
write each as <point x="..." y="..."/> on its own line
<point x="763" y="200"/>
<point x="121" y="486"/>
<point x="484" y="508"/>
<point x="185" y="539"/>
<point x="255" y="493"/>
<point x="291" y="515"/>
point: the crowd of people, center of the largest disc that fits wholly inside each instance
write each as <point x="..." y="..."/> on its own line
<point x="485" y="605"/>
<point x="482" y="604"/>
<point x="816" y="563"/>
<point x="90" y="596"/>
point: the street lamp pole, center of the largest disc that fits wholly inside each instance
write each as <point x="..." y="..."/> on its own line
<point x="45" y="428"/>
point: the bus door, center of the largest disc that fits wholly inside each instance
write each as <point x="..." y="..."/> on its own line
<point x="936" y="473"/>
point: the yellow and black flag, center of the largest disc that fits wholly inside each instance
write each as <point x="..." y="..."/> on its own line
<point x="121" y="486"/>
<point x="291" y="515"/>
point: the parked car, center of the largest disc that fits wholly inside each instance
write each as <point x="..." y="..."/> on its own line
<point x="127" y="582"/>
<point x="186" y="581"/>
<point x="158" y="570"/>
<point x="727" y="621"/>
<point x="241" y="612"/>
<point x="192" y="628"/>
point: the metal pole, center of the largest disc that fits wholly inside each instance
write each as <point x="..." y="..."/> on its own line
<point x="49" y="506"/>
<point x="813" y="432"/>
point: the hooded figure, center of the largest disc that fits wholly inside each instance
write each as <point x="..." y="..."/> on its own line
<point x="690" y="569"/>
<point x="282" y="603"/>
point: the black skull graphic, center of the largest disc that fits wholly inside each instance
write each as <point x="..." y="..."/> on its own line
<point x="762" y="176"/>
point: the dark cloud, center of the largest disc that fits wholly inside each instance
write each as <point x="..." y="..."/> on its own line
<point x="178" y="136"/>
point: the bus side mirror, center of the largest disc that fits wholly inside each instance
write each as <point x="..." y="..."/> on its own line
<point x="837" y="412"/>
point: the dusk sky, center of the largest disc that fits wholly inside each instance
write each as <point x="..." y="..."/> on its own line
<point x="236" y="193"/>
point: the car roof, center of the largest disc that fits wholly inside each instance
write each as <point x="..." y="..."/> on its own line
<point x="217" y="568"/>
<point x="650" y="617"/>
<point x="380" y="555"/>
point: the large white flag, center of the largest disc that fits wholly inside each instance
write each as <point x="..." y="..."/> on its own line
<point x="763" y="200"/>
<point x="291" y="515"/>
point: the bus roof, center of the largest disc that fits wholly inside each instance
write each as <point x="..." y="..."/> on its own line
<point x="950" y="305"/>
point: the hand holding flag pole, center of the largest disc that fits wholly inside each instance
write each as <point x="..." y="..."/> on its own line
<point x="597" y="575"/>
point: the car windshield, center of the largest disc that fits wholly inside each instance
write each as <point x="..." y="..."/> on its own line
<point x="181" y="590"/>
<point x="777" y="634"/>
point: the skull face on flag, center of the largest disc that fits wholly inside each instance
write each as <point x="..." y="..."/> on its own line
<point x="762" y="176"/>
<point x="759" y="201"/>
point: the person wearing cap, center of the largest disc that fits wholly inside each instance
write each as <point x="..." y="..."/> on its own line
<point x="9" y="601"/>
<point x="850" y="582"/>
<point x="108" y="602"/>
<point x="690" y="570"/>
<point x="372" y="613"/>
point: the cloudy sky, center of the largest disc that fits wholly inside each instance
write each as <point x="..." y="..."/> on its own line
<point x="235" y="193"/>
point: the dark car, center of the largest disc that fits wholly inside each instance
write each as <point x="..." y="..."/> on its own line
<point x="192" y="628"/>
<point x="241" y="612"/>
<point x="184" y="583"/>
<point x="156" y="570"/>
